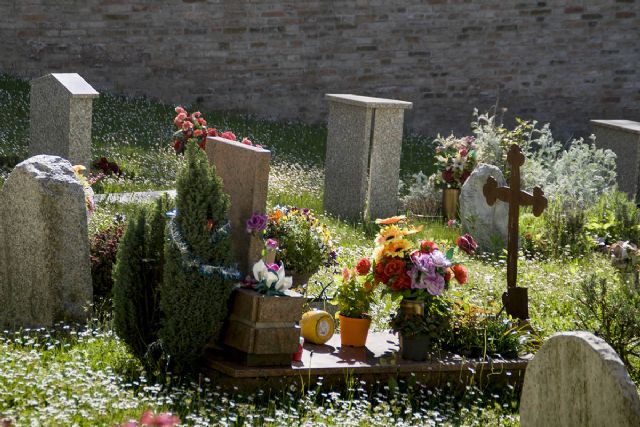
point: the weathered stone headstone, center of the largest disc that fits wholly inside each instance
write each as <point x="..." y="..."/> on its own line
<point x="60" y="117"/>
<point x="623" y="138"/>
<point x="487" y="224"/>
<point x="577" y="379"/>
<point x="362" y="164"/>
<point x="46" y="273"/>
<point x="244" y="170"/>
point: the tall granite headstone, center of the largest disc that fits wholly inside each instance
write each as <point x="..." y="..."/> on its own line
<point x="244" y="170"/>
<point x="60" y="117"/>
<point x="362" y="164"/>
<point x="577" y="379"/>
<point x="487" y="224"/>
<point x="623" y="138"/>
<point x="45" y="275"/>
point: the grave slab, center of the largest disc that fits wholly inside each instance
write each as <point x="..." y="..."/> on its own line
<point x="577" y="379"/>
<point x="244" y="170"/>
<point x="46" y="275"/>
<point x="379" y="361"/>
<point x="362" y="162"/>
<point x="60" y="117"/>
<point x="623" y="138"/>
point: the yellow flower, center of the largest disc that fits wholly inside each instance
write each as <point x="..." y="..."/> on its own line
<point x="388" y="234"/>
<point x="397" y="248"/>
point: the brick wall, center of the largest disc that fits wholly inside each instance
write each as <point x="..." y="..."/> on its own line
<point x="559" y="61"/>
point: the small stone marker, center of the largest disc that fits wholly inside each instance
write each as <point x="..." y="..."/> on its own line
<point x="487" y="224"/>
<point x="362" y="164"/>
<point x="60" y="117"/>
<point x="623" y="138"/>
<point x="515" y="300"/>
<point x="46" y="274"/>
<point x="577" y="379"/>
<point x="244" y="170"/>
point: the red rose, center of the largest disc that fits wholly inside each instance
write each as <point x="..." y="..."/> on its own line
<point x="212" y="132"/>
<point x="427" y="246"/>
<point x="394" y="267"/>
<point x="379" y="275"/>
<point x="467" y="244"/>
<point x="447" y="176"/>
<point x="363" y="266"/>
<point x="460" y="273"/>
<point x="403" y="281"/>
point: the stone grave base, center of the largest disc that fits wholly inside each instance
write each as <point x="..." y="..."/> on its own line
<point x="379" y="361"/>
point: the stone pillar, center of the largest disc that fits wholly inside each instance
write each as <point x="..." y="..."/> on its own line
<point x="60" y="117"/>
<point x="362" y="164"/>
<point x="46" y="275"/>
<point x="623" y="138"/>
<point x="244" y="170"/>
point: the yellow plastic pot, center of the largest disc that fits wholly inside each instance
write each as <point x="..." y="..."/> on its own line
<point x="317" y="326"/>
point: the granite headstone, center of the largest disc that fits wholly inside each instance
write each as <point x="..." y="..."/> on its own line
<point x="623" y="138"/>
<point x="60" y="117"/>
<point x="362" y="164"/>
<point x="577" y="379"/>
<point x="244" y="170"/>
<point x="45" y="276"/>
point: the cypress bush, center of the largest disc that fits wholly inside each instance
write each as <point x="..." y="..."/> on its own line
<point x="195" y="290"/>
<point x="137" y="275"/>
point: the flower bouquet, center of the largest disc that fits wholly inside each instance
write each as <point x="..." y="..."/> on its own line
<point x="297" y="239"/>
<point x="456" y="160"/>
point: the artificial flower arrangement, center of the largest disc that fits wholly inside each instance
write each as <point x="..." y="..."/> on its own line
<point x="300" y="241"/>
<point x="194" y="128"/>
<point x="410" y="271"/>
<point x="456" y="157"/>
<point x="269" y="279"/>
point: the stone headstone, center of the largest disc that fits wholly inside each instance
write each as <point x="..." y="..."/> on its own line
<point x="362" y="164"/>
<point x="623" y="138"/>
<point x="46" y="275"/>
<point x="487" y="224"/>
<point x="577" y="379"/>
<point x="60" y="117"/>
<point x="244" y="170"/>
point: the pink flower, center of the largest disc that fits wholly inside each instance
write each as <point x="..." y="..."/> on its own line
<point x="272" y="244"/>
<point x="228" y="135"/>
<point x="212" y="132"/>
<point x="202" y="122"/>
<point x="196" y="114"/>
<point x="179" y="109"/>
<point x="187" y="125"/>
<point x="198" y="133"/>
<point x="181" y="116"/>
<point x="246" y="141"/>
<point x="463" y="151"/>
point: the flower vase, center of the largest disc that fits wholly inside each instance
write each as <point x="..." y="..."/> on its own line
<point x="411" y="307"/>
<point x="353" y="332"/>
<point x="450" y="197"/>
<point x="415" y="347"/>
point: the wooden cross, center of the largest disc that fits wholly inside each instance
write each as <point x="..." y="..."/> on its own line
<point x="515" y="300"/>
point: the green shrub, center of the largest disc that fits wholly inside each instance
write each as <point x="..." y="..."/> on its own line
<point x="196" y="287"/>
<point x="137" y="275"/>
<point x="610" y="308"/>
<point x="615" y="217"/>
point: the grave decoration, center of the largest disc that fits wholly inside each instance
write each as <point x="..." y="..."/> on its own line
<point x="296" y="238"/>
<point x="515" y="299"/>
<point x="456" y="159"/>
<point x="418" y="274"/>
<point x="353" y="297"/>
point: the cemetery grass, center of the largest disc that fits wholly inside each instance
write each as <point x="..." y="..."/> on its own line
<point x="86" y="376"/>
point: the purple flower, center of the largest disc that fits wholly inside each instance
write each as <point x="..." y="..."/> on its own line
<point x="272" y="244"/>
<point x="424" y="262"/>
<point x="256" y="223"/>
<point x="439" y="259"/>
<point x="435" y="284"/>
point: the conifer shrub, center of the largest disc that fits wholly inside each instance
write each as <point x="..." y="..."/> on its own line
<point x="197" y="278"/>
<point x="137" y="275"/>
